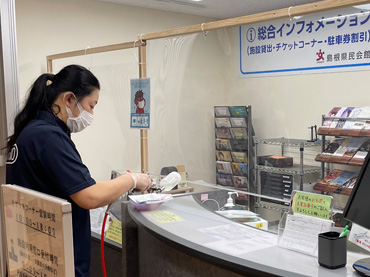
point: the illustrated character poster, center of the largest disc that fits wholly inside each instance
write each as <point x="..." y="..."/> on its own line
<point x="140" y="103"/>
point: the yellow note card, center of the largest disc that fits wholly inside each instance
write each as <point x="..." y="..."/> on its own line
<point x="114" y="232"/>
<point x="163" y="216"/>
<point x="312" y="204"/>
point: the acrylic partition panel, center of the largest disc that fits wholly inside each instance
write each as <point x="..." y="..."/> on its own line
<point x="182" y="99"/>
<point x="109" y="143"/>
<point x="187" y="81"/>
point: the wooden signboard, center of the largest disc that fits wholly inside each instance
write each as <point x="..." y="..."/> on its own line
<point x="38" y="231"/>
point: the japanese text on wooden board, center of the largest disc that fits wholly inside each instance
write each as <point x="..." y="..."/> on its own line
<point x="34" y="233"/>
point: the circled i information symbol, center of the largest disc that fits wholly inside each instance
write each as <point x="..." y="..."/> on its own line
<point x="251" y="34"/>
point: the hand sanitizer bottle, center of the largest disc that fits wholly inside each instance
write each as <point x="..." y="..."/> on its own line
<point x="229" y="202"/>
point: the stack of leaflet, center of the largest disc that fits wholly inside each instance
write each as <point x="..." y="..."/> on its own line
<point x="245" y="217"/>
<point x="239" y="215"/>
<point x="150" y="198"/>
<point x="149" y="202"/>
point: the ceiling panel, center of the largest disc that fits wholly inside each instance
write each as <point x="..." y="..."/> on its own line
<point x="218" y="9"/>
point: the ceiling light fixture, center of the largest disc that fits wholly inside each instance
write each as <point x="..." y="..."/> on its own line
<point x="191" y="3"/>
<point x="363" y="7"/>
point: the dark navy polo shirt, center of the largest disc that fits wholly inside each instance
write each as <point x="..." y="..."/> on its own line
<point x="45" y="159"/>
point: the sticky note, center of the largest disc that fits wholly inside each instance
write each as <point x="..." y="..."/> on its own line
<point x="164" y="216"/>
<point x="114" y="232"/>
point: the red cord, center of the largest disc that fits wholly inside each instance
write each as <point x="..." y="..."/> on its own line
<point x="102" y="245"/>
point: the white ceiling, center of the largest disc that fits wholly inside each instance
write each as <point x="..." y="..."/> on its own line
<point x="218" y="9"/>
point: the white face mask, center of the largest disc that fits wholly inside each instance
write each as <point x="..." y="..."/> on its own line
<point x="77" y="124"/>
<point x="141" y="104"/>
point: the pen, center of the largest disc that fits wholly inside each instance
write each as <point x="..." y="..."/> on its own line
<point x="344" y="232"/>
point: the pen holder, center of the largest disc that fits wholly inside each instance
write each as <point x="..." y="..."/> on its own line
<point x="332" y="250"/>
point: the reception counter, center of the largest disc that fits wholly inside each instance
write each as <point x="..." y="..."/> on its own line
<point x="183" y="238"/>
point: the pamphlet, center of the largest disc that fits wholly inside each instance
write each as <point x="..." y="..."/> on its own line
<point x="238" y="111"/>
<point x="223" y="133"/>
<point x="239" y="133"/>
<point x="238" y="122"/>
<point x="223" y="156"/>
<point x="222" y="122"/>
<point x="360" y="236"/>
<point x="236" y="239"/>
<point x="240" y="181"/>
<point x="224" y="179"/>
<point x="223" y="167"/>
<point x="223" y="144"/>
<point x="222" y="111"/>
<point x="240" y="169"/>
<point x="301" y="233"/>
<point x="239" y="157"/>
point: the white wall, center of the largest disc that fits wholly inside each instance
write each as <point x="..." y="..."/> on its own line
<point x="189" y="75"/>
<point x="46" y="27"/>
<point x="180" y="132"/>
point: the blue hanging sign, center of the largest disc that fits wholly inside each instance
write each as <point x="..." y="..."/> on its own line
<point x="331" y="41"/>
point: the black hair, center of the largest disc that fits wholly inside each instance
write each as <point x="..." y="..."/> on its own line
<point x="46" y="89"/>
<point x="139" y="94"/>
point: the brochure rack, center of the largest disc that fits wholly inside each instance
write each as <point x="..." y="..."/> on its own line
<point x="349" y="146"/>
<point x="340" y="132"/>
<point x="234" y="147"/>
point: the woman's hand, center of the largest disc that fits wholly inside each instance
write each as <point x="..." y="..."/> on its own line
<point x="142" y="182"/>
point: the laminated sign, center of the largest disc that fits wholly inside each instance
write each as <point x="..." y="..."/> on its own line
<point x="312" y="204"/>
<point x="140" y="103"/>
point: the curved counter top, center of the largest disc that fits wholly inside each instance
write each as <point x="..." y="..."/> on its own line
<point x="186" y="226"/>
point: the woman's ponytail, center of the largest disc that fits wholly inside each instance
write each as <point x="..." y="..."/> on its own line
<point x="46" y="89"/>
<point x="39" y="99"/>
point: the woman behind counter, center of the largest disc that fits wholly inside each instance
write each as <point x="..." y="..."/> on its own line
<point x="44" y="158"/>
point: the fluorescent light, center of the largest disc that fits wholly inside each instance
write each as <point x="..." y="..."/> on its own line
<point x="363" y="7"/>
